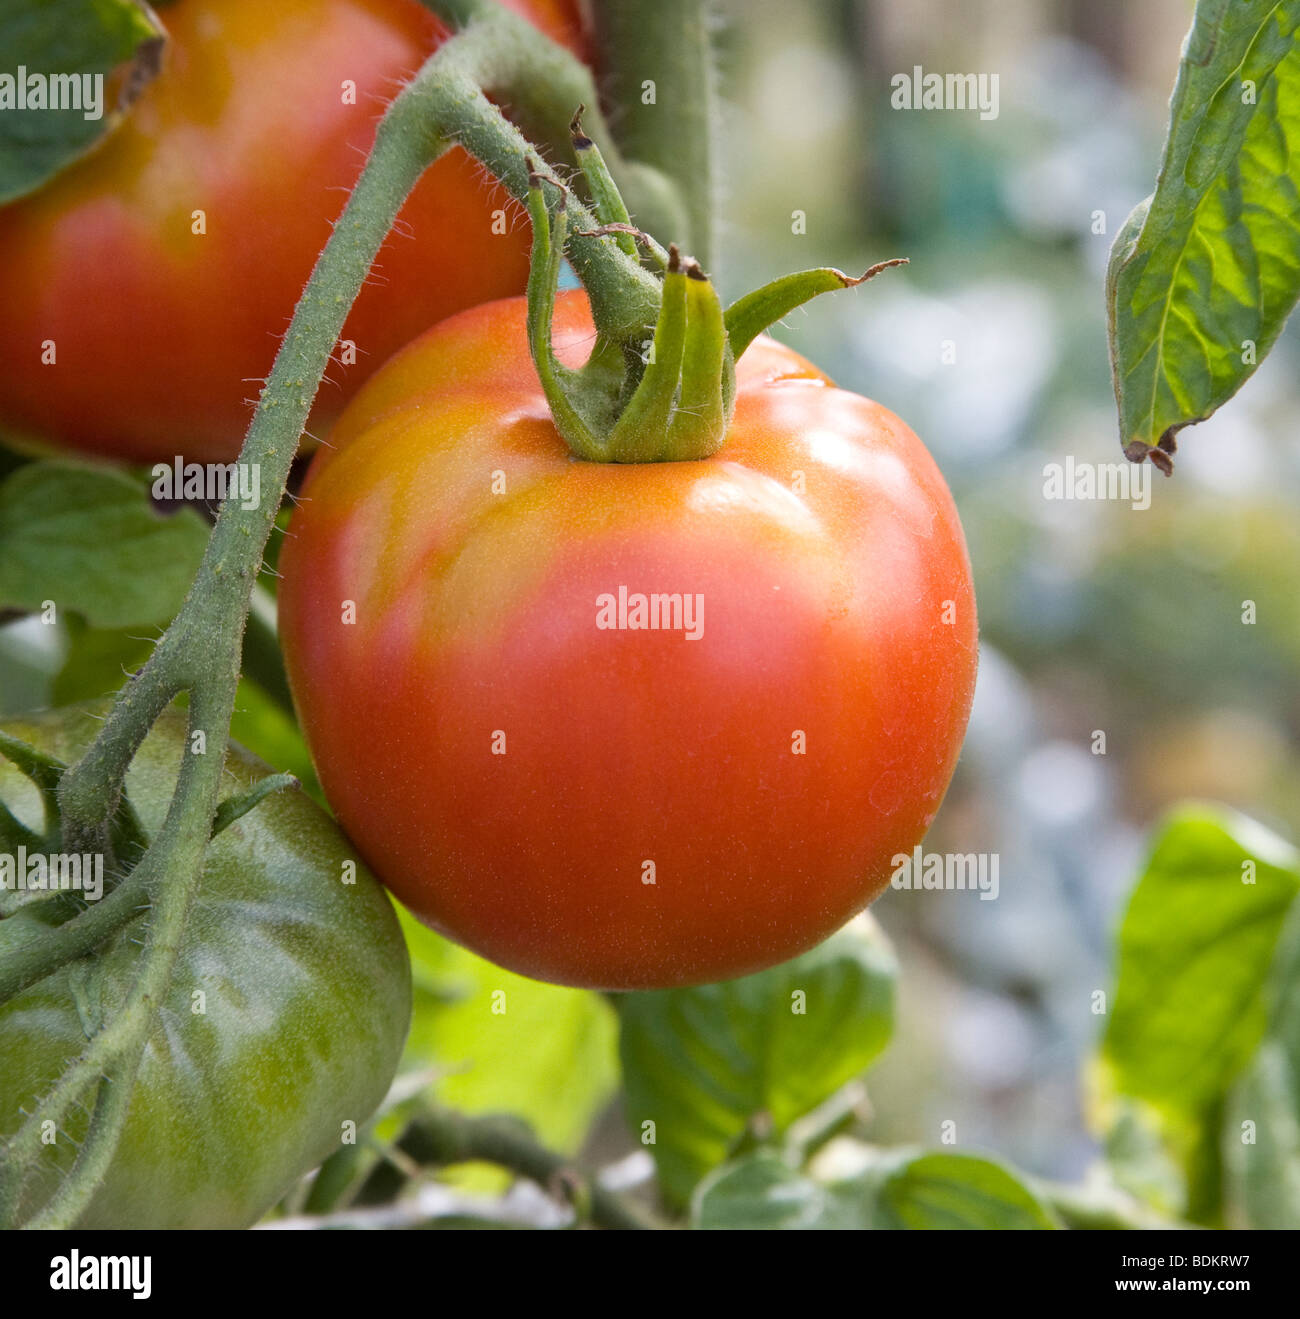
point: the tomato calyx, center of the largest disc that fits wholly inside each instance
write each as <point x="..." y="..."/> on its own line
<point x="667" y="392"/>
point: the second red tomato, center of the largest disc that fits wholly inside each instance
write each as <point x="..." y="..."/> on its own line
<point x="147" y="287"/>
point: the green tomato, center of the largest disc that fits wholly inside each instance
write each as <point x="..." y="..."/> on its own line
<point x="284" y="1021"/>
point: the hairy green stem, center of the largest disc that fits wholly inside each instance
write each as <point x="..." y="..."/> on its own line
<point x="624" y="297"/>
<point x="28" y="958"/>
<point x="657" y="69"/>
<point x="200" y="653"/>
<point x="542" y="84"/>
<point x="107" y="1120"/>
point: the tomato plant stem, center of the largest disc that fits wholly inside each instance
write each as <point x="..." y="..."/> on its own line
<point x="543" y="84"/>
<point x="490" y="53"/>
<point x="657" y="65"/>
<point x="25" y="960"/>
<point x="441" y="1137"/>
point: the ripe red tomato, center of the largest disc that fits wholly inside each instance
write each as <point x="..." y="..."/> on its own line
<point x="162" y="336"/>
<point x="607" y="806"/>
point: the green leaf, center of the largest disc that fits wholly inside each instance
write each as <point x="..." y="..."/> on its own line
<point x="928" y="1190"/>
<point x="1261" y="1133"/>
<point x="1139" y="1159"/>
<point x="1195" y="950"/>
<point x="701" y="1064"/>
<point x="92" y="57"/>
<point x="900" y="1189"/>
<point x="761" y="1192"/>
<point x="1262" y="1142"/>
<point x="504" y="1044"/>
<point x="97" y="662"/>
<point x="88" y="539"/>
<point x="1210" y="263"/>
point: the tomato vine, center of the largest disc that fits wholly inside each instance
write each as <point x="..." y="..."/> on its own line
<point x="447" y="103"/>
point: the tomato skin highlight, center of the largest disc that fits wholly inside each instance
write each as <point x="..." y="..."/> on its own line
<point x="163" y="336"/>
<point x="769" y="770"/>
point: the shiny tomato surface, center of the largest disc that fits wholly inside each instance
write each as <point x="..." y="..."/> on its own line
<point x="261" y="120"/>
<point x="595" y="803"/>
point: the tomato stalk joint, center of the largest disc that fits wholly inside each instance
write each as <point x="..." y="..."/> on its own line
<point x="668" y="393"/>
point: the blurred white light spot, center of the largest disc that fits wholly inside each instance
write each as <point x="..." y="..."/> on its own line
<point x="1000" y="720"/>
<point x="1060" y="783"/>
<point x="1005" y="340"/>
<point x="782" y="93"/>
<point x="990" y="1039"/>
<point x="1229" y="454"/>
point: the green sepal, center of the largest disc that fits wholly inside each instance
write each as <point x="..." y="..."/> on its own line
<point x="606" y="198"/>
<point x="234" y="808"/>
<point x="708" y="390"/>
<point x="543" y="278"/>
<point x="641" y="433"/>
<point x="675" y="404"/>
<point x="749" y="316"/>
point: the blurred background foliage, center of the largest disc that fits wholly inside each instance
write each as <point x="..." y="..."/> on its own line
<point x="1096" y="617"/>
